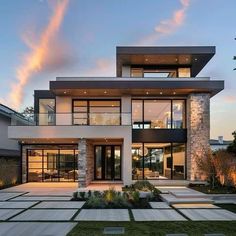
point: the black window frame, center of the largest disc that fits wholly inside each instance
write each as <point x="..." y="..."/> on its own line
<point x="88" y="108"/>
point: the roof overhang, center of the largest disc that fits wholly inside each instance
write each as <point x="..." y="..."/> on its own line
<point x="195" y="57"/>
<point x="135" y="87"/>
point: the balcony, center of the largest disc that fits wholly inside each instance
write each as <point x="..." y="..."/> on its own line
<point x="72" y="119"/>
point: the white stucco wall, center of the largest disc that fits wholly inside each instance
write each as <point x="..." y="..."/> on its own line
<point x="5" y="142"/>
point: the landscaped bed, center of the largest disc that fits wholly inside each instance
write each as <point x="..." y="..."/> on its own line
<point x="137" y="195"/>
<point x="216" y="190"/>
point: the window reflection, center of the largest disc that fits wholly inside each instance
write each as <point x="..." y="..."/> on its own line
<point x="178" y="114"/>
<point x="46" y="112"/>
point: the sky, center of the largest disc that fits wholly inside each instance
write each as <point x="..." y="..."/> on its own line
<point x="42" y="39"/>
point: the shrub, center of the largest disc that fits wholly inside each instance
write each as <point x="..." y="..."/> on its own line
<point x="95" y="202"/>
<point x="120" y="201"/>
<point x="143" y="185"/>
<point x="135" y="196"/>
<point x="109" y="194"/>
<point x="89" y="193"/>
<point x="82" y="195"/>
<point x="97" y="194"/>
<point x="75" y="195"/>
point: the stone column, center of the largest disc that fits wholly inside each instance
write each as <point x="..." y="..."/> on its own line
<point x="198" y="127"/>
<point x="82" y="163"/>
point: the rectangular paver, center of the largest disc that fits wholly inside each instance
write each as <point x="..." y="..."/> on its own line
<point x="60" y="205"/>
<point x="159" y="205"/>
<point x="7" y="213"/>
<point x="103" y="215"/>
<point x="157" y="215"/>
<point x="41" y="198"/>
<point x="35" y="229"/>
<point x="16" y="205"/>
<point x="195" y="206"/>
<point x="8" y="195"/>
<point x="208" y="214"/>
<point x="45" y="215"/>
<point x="171" y="199"/>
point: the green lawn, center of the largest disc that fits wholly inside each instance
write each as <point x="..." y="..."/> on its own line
<point x="156" y="228"/>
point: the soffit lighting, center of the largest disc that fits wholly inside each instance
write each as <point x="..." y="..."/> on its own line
<point x="147" y="92"/>
<point x="161" y="93"/>
<point x="64" y="92"/>
<point x="105" y="92"/>
<point x="174" y="93"/>
<point x="85" y="92"/>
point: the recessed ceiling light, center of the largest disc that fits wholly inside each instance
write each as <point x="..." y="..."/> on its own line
<point x="64" y="92"/>
<point x="176" y="59"/>
<point x="186" y="59"/>
<point x="174" y="93"/>
<point x="147" y="92"/>
<point x="146" y="59"/>
<point x="105" y="92"/>
<point x="195" y="59"/>
<point x="161" y="93"/>
<point x="85" y="92"/>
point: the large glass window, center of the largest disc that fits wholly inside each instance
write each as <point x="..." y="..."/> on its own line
<point x="178" y="151"/>
<point x="96" y="112"/>
<point x="46" y="111"/>
<point x="52" y="165"/>
<point x="158" y="114"/>
<point x="178" y="110"/>
<point x="137" y="114"/>
<point x="158" y="161"/>
<point x="137" y="161"/>
<point x="184" y="72"/>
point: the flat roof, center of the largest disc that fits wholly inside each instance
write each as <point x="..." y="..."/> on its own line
<point x="195" y="57"/>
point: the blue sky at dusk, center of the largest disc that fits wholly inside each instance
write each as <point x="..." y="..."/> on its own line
<point x="84" y="43"/>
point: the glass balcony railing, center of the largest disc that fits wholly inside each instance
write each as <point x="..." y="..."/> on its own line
<point x="52" y="119"/>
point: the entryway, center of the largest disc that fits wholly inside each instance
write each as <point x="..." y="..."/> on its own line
<point x="107" y="162"/>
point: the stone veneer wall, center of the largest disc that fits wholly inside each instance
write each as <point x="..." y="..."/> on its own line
<point x="198" y="126"/>
<point x="43" y="146"/>
<point x="85" y="163"/>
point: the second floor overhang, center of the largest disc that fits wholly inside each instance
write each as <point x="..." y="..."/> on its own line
<point x="114" y="86"/>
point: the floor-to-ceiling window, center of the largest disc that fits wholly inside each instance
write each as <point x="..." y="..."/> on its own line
<point x="52" y="165"/>
<point x="158" y="161"/>
<point x="158" y="114"/>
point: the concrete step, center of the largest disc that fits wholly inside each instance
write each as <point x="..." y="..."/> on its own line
<point x="171" y="199"/>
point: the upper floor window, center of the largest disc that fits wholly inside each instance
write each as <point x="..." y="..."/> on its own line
<point x="46" y="111"/>
<point x="184" y="72"/>
<point x="96" y="112"/>
<point x="158" y="114"/>
<point x="160" y="72"/>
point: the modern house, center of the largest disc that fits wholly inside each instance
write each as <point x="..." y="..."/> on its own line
<point x="151" y="122"/>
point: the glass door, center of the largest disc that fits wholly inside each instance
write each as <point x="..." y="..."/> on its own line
<point x="107" y="162"/>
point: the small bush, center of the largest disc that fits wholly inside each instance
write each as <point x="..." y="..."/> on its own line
<point x="143" y="185"/>
<point x="109" y="194"/>
<point x="97" y="194"/>
<point x="75" y="195"/>
<point x="89" y="193"/>
<point x="82" y="195"/>
<point x="95" y="202"/>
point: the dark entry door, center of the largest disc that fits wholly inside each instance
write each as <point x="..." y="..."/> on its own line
<point x="107" y="162"/>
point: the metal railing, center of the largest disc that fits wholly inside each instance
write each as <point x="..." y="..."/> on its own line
<point x="54" y="119"/>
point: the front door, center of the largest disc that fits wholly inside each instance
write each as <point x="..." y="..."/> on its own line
<point x="107" y="162"/>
